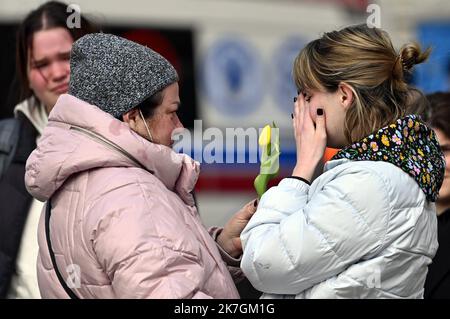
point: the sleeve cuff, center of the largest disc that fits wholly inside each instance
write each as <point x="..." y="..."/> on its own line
<point x="301" y="179"/>
<point x="299" y="184"/>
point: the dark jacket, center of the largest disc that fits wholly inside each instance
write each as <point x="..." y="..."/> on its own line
<point x="14" y="204"/>
<point x="437" y="285"/>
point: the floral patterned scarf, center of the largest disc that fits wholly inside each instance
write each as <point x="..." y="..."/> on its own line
<point x="408" y="144"/>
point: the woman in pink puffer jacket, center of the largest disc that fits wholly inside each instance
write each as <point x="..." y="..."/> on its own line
<point x="123" y="218"/>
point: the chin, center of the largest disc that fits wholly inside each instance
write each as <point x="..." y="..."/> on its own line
<point x="168" y="144"/>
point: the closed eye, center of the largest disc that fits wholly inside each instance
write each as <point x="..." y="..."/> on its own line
<point x="39" y="65"/>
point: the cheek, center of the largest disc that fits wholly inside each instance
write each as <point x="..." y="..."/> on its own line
<point x="161" y="126"/>
<point x="444" y="192"/>
<point x="171" y="126"/>
<point x="37" y="82"/>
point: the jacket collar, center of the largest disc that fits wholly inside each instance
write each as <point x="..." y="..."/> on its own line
<point x="34" y="111"/>
<point x="72" y="118"/>
<point x="408" y="144"/>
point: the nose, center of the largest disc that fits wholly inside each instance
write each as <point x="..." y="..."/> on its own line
<point x="59" y="71"/>
<point x="178" y="123"/>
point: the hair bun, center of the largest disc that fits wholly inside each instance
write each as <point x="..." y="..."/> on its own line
<point x="411" y="54"/>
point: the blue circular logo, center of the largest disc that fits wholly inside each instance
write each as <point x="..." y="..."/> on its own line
<point x="283" y="80"/>
<point x="232" y="77"/>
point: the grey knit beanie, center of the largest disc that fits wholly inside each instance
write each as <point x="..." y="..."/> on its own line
<point x="116" y="74"/>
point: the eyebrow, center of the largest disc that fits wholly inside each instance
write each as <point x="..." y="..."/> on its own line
<point x="61" y="54"/>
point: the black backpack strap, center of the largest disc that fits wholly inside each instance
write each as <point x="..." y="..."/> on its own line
<point x="69" y="291"/>
<point x="9" y="138"/>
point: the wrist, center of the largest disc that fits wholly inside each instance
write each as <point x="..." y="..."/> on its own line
<point x="227" y="245"/>
<point x="303" y="172"/>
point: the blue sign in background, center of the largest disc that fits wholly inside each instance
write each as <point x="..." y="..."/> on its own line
<point x="434" y="75"/>
<point x="284" y="88"/>
<point x="232" y="76"/>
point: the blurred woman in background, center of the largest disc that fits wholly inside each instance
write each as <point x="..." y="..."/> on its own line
<point x="44" y="41"/>
<point x="437" y="285"/>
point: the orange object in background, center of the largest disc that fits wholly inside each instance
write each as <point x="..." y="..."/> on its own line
<point x="329" y="153"/>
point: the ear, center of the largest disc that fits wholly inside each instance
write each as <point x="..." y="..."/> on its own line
<point x="346" y="95"/>
<point x="131" y="118"/>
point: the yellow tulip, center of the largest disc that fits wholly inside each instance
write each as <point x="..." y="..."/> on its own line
<point x="264" y="137"/>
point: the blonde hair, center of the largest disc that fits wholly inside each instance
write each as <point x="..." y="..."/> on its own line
<point x="365" y="59"/>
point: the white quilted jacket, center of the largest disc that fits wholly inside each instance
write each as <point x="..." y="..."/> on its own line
<point x="363" y="229"/>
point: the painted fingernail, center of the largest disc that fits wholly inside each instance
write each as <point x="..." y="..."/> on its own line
<point x="292" y="116"/>
<point x="295" y="99"/>
<point x="319" y="112"/>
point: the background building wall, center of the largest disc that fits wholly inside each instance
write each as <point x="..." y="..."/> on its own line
<point x="243" y="52"/>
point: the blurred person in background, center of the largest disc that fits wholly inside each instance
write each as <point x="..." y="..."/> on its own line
<point x="43" y="49"/>
<point x="417" y="103"/>
<point x="437" y="284"/>
<point x="120" y="199"/>
<point x="366" y="227"/>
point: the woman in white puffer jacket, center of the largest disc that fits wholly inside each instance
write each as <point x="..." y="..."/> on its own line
<point x="365" y="228"/>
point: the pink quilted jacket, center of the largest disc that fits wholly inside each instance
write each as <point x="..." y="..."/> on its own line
<point x="123" y="212"/>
